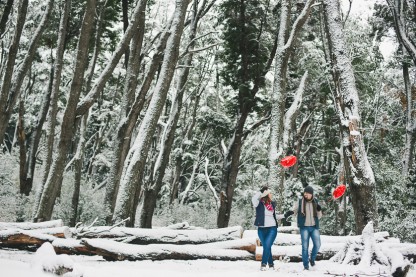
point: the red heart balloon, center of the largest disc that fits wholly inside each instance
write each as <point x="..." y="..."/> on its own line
<point x="339" y="191"/>
<point x="288" y="161"/>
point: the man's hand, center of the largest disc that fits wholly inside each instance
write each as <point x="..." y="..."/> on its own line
<point x="318" y="208"/>
<point x="288" y="213"/>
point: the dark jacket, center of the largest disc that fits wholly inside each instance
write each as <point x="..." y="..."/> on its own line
<point x="259" y="221"/>
<point x="302" y="218"/>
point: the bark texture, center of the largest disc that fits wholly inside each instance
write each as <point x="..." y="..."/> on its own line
<point x="361" y="181"/>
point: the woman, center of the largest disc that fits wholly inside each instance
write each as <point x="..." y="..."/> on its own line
<point x="266" y="221"/>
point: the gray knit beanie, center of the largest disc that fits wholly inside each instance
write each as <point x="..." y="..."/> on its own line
<point x="308" y="189"/>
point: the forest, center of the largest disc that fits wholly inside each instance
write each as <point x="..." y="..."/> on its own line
<point x="152" y="112"/>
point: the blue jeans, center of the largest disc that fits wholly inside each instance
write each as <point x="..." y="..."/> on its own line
<point x="306" y="233"/>
<point x="267" y="235"/>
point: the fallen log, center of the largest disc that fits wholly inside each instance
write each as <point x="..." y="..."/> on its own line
<point x="117" y="251"/>
<point x="24" y="239"/>
<point x="283" y="239"/>
<point x="163" y="236"/>
<point x="71" y="247"/>
<point x="247" y="244"/>
<point x="293" y="253"/>
<point x="31" y="225"/>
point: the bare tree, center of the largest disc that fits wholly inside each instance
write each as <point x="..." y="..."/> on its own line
<point x="53" y="105"/>
<point x="134" y="164"/>
<point x="130" y="110"/>
<point x="150" y="192"/>
<point x="54" y="179"/>
<point x="12" y="83"/>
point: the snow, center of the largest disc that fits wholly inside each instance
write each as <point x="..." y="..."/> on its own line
<point x="31" y="226"/>
<point x="45" y="258"/>
<point x="18" y="264"/>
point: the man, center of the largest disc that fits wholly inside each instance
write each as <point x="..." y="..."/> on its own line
<point x="308" y="212"/>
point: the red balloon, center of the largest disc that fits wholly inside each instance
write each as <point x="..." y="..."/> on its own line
<point x="288" y="161"/>
<point x="339" y="191"/>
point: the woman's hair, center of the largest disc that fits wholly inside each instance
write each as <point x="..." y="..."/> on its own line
<point x="267" y="197"/>
<point x="263" y="188"/>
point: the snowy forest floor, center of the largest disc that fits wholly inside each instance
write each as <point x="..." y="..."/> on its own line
<point x="17" y="263"/>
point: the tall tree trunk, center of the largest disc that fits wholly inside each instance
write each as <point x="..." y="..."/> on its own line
<point x="229" y="171"/>
<point x="130" y="112"/>
<point x="409" y="148"/>
<point x="10" y="91"/>
<point x="362" y="186"/>
<point x="285" y="44"/>
<point x="53" y="110"/>
<point x="150" y="192"/>
<point x="29" y="172"/>
<point x="398" y="12"/>
<point x="5" y="16"/>
<point x="22" y="148"/>
<point x="9" y="69"/>
<point x="187" y="136"/>
<point x="125" y="8"/>
<point x="51" y="122"/>
<point x="78" y="172"/>
<point x="135" y="162"/>
<point x="54" y="180"/>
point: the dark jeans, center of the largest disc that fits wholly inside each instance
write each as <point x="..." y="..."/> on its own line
<point x="267" y="235"/>
<point x="306" y="233"/>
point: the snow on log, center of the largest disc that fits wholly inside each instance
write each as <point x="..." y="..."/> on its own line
<point x="117" y="251"/>
<point x="181" y="226"/>
<point x="31" y="225"/>
<point x="408" y="250"/>
<point x="165" y="236"/>
<point x="294" y="239"/>
<point x="71" y="247"/>
<point x="247" y="244"/>
<point x="24" y="239"/>
<point x="293" y="253"/>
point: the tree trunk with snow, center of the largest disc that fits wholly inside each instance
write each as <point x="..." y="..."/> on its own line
<point x="229" y="170"/>
<point x="398" y="11"/>
<point x="131" y="108"/>
<point x="285" y="44"/>
<point x="136" y="159"/>
<point x="5" y="16"/>
<point x="116" y="251"/>
<point x="10" y="90"/>
<point x="53" y="105"/>
<point x="361" y="183"/>
<point x="10" y="64"/>
<point x="125" y="129"/>
<point x="26" y="176"/>
<point x="78" y="172"/>
<point x="54" y="180"/>
<point x="409" y="147"/>
<point x="150" y="193"/>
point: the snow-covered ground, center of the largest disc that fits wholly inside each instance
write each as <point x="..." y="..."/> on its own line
<point x="15" y="263"/>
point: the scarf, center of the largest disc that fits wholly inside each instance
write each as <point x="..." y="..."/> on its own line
<point x="315" y="212"/>
<point x="267" y="204"/>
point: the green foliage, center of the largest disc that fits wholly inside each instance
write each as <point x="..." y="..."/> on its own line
<point x="247" y="44"/>
<point x="216" y="122"/>
<point x="396" y="202"/>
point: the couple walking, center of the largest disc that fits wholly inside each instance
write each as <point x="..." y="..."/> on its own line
<point x="308" y="212"/>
